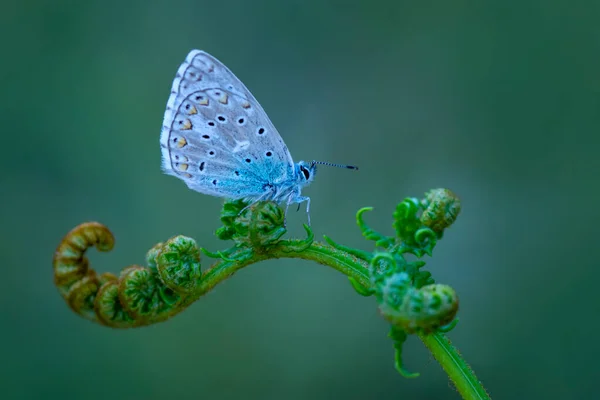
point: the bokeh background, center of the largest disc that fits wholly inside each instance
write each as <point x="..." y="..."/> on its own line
<point x="498" y="101"/>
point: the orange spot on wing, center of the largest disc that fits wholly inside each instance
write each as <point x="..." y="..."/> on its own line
<point x="187" y="125"/>
<point x="181" y="142"/>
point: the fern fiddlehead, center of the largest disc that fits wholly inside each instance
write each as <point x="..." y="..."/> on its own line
<point x="172" y="279"/>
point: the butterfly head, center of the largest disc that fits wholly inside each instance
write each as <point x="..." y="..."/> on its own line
<point x="305" y="172"/>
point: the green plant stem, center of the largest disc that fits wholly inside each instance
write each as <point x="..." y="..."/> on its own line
<point x="323" y="254"/>
<point x="78" y="283"/>
<point x="455" y="366"/>
<point x="438" y="344"/>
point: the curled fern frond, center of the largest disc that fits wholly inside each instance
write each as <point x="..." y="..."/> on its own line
<point x="140" y="295"/>
<point x="230" y="211"/>
<point x="81" y="295"/>
<point x="411" y="309"/>
<point x="151" y="256"/>
<point x="75" y="280"/>
<point x="369" y="233"/>
<point x="109" y="309"/>
<point x="178" y="264"/>
<point x="138" y="292"/>
<point x="298" y="246"/>
<point x="384" y="264"/>
<point x="406" y="222"/>
<point x="256" y="225"/>
<point x="406" y="294"/>
<point x="399" y="336"/>
<point x="442" y="207"/>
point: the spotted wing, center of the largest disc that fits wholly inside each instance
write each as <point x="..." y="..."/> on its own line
<point x="216" y="137"/>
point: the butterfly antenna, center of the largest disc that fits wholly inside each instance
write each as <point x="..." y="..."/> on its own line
<point x="354" y="167"/>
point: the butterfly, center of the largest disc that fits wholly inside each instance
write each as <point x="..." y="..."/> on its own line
<point x="218" y="139"/>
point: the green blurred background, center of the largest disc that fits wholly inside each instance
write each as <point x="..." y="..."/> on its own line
<point x="497" y="101"/>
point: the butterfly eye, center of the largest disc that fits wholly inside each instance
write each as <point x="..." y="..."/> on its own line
<point x="241" y="121"/>
<point x="211" y="123"/>
<point x="211" y="153"/>
<point x="260" y="130"/>
<point x="305" y="172"/>
<point x="201" y="167"/>
<point x="268" y="154"/>
<point x="205" y="137"/>
<point x="221" y="119"/>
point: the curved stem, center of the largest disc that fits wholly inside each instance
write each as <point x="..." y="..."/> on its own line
<point x="323" y="254"/>
<point x="347" y="264"/>
<point x="78" y="283"/>
<point x="438" y="344"/>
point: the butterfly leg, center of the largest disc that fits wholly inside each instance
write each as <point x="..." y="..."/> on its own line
<point x="299" y="200"/>
<point x="287" y="205"/>
<point x="292" y="198"/>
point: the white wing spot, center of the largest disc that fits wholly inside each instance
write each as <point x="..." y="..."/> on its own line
<point x="239" y="146"/>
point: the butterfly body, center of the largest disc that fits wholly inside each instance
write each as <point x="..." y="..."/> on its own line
<point x="217" y="138"/>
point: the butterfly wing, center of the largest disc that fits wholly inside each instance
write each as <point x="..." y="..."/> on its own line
<point x="216" y="137"/>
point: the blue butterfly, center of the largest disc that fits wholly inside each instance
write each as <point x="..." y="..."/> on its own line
<point x="217" y="138"/>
